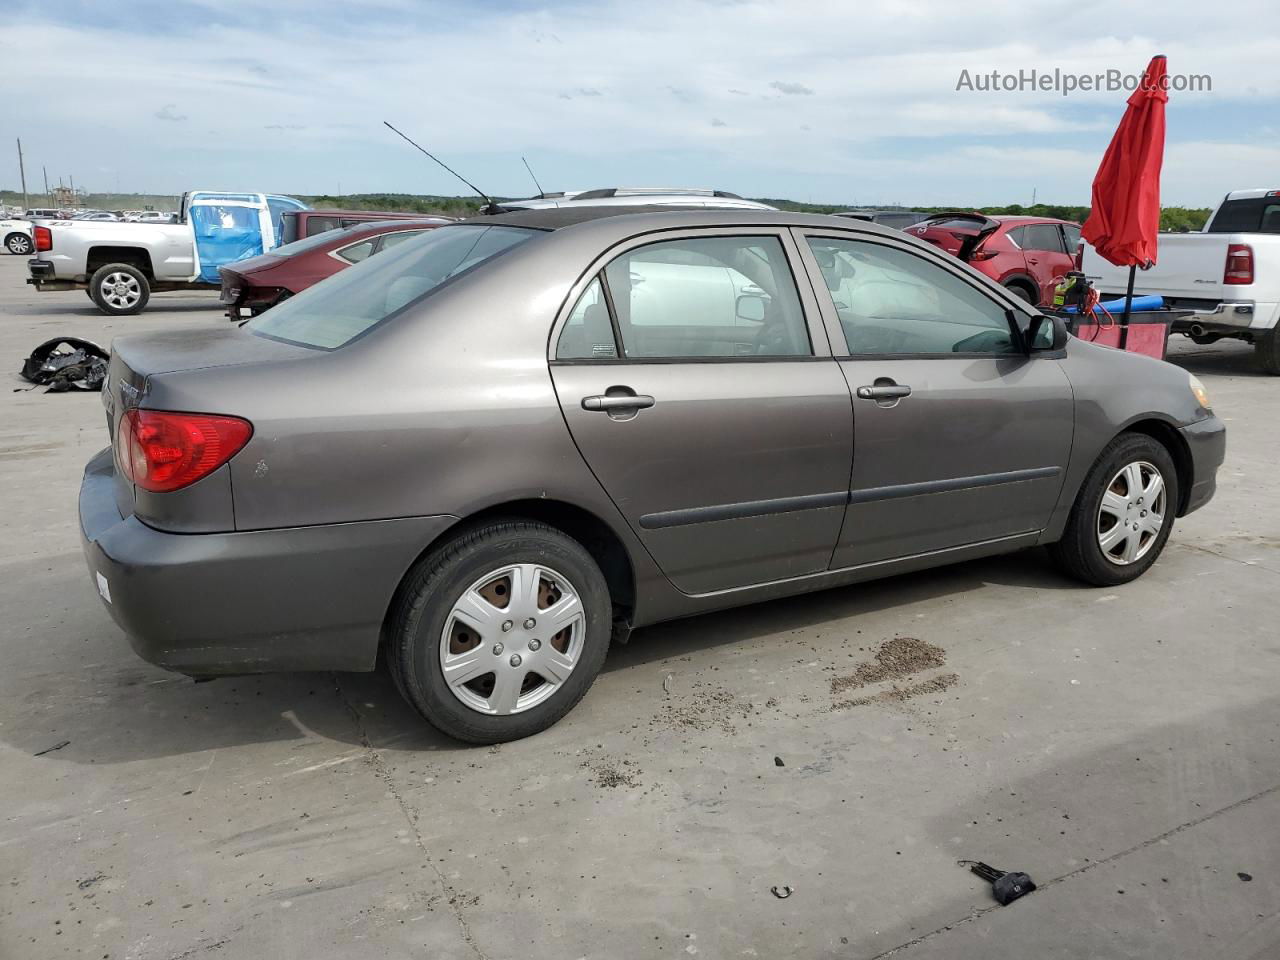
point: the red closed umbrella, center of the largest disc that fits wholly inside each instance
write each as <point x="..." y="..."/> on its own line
<point x="1125" y="217"/>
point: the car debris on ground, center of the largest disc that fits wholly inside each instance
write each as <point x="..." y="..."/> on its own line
<point x="1006" y="886"/>
<point x="66" y="363"/>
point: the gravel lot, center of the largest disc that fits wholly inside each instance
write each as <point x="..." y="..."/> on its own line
<point x="1122" y="747"/>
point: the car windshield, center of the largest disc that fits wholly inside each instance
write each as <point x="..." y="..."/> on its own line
<point x="338" y="310"/>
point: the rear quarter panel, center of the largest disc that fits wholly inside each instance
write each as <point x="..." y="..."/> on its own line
<point x="448" y="408"/>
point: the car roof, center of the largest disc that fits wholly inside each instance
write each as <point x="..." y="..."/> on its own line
<point x="373" y="226"/>
<point x="624" y="221"/>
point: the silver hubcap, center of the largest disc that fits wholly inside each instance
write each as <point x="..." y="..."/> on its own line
<point x="20" y="245"/>
<point x="512" y="639"/>
<point x="121" y="290"/>
<point x="1132" y="513"/>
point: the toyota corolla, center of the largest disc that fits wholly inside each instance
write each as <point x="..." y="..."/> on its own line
<point x="486" y="454"/>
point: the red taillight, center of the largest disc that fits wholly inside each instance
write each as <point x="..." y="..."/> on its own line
<point x="1239" y="264"/>
<point x="162" y="451"/>
<point x="43" y="237"/>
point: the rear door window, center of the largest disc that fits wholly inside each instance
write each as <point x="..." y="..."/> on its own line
<point x="357" y="251"/>
<point x="394" y="239"/>
<point x="701" y="297"/>
<point x="1043" y="236"/>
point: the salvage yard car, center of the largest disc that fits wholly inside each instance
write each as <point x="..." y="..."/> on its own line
<point x="253" y="285"/>
<point x="17" y="236"/>
<point x="119" y="264"/>
<point x="1026" y="255"/>
<point x="491" y="451"/>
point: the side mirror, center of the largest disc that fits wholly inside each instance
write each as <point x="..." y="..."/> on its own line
<point x="1046" y="333"/>
<point x="751" y="307"/>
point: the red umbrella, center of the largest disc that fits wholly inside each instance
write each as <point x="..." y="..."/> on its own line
<point x="1125" y="218"/>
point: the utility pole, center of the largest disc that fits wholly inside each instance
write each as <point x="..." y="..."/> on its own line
<point x="22" y="173"/>
<point x="45" y="171"/>
<point x="1033" y="196"/>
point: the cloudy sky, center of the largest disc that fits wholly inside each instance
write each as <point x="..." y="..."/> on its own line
<point x="830" y="102"/>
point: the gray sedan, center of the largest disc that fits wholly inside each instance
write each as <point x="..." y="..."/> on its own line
<point x="489" y="453"/>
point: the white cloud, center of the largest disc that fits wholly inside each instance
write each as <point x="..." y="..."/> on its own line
<point x="839" y="98"/>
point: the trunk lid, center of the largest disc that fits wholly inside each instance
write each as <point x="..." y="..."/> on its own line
<point x="958" y="234"/>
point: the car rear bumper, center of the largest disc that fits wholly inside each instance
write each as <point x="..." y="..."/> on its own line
<point x="1207" y="441"/>
<point x="302" y="598"/>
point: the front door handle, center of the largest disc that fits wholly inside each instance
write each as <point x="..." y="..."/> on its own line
<point x="606" y="403"/>
<point x="892" y="391"/>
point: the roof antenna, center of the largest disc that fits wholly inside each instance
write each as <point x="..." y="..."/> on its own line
<point x="535" y="179"/>
<point x="490" y="206"/>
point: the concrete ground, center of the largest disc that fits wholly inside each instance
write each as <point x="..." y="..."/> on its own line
<point x="1121" y="746"/>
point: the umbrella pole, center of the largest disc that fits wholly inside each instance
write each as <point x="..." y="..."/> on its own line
<point x="1128" y="304"/>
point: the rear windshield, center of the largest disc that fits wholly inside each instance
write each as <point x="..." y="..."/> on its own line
<point x="337" y="310"/>
<point x="307" y="243"/>
<point x="951" y="223"/>
<point x="1257" y="215"/>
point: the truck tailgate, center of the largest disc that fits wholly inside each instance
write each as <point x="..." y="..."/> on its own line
<point x="1189" y="267"/>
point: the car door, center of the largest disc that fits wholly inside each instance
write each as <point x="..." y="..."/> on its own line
<point x="960" y="437"/>
<point x="1046" y="256"/>
<point x="698" y="383"/>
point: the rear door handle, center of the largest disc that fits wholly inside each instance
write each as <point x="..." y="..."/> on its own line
<point x="637" y="402"/>
<point x="887" y="392"/>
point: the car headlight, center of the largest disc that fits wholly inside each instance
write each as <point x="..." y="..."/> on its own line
<point x="1198" y="388"/>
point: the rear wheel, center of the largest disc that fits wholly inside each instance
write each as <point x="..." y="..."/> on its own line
<point x="119" y="289"/>
<point x="1021" y="292"/>
<point x="1123" y="514"/>
<point x="499" y="633"/>
<point x="18" y="243"/>
<point x="1266" y="350"/>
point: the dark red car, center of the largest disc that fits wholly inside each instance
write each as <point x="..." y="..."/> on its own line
<point x="296" y="224"/>
<point x="1024" y="254"/>
<point x="251" y="286"/>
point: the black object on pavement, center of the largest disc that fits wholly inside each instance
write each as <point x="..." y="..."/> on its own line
<point x="1006" y="886"/>
<point x="67" y="363"/>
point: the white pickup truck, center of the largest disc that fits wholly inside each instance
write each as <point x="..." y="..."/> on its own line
<point x="119" y="263"/>
<point x="1228" y="273"/>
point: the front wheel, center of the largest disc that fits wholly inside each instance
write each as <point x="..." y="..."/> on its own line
<point x="18" y="243"/>
<point x="499" y="633"/>
<point x="119" y="289"/>
<point x="1123" y="514"/>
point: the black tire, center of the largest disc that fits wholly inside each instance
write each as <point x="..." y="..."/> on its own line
<point x="424" y="603"/>
<point x="1021" y="292"/>
<point x="1266" y="351"/>
<point x="1079" y="553"/>
<point x="18" y="244"/>
<point x="119" y="289"/>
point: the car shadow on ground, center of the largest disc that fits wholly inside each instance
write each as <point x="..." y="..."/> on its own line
<point x="1226" y="358"/>
<point x="121" y="709"/>
<point x="1029" y="569"/>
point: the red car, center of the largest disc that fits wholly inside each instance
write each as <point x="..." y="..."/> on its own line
<point x="251" y="286"/>
<point x="1024" y="254"/>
